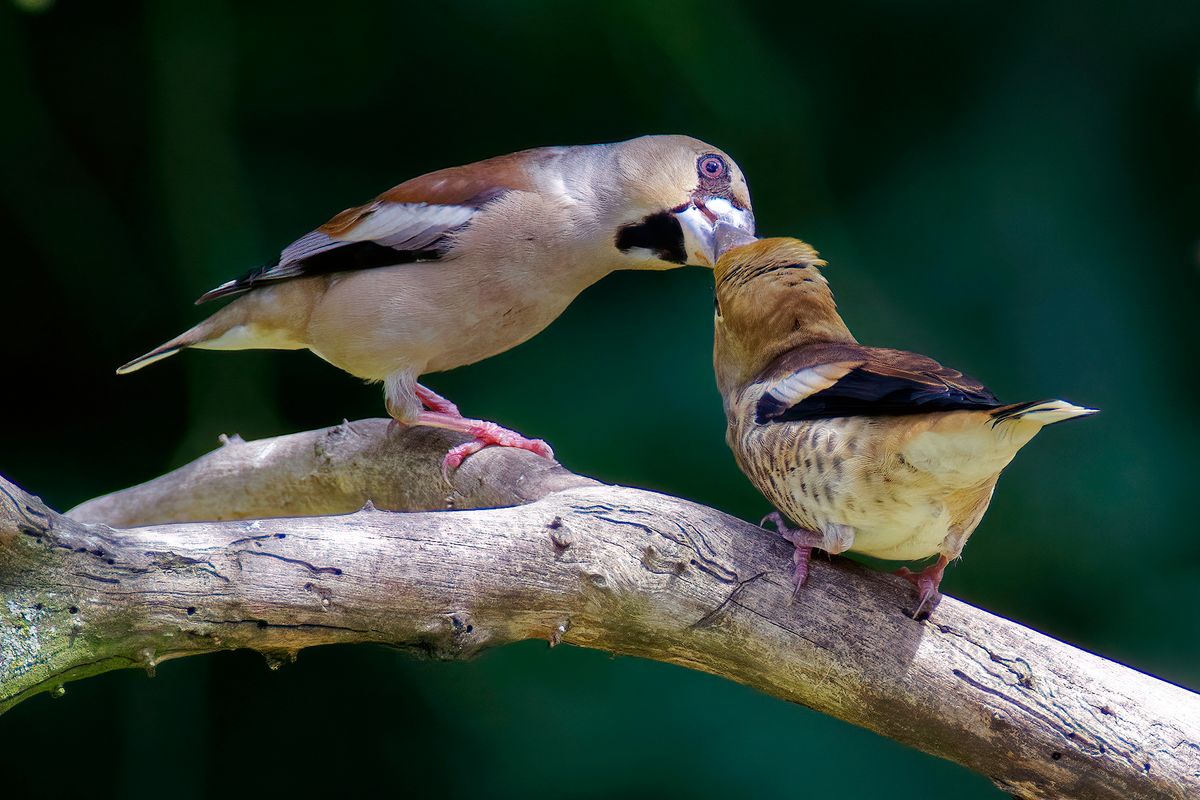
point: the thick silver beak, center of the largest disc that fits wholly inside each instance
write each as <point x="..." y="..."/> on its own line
<point x="699" y="222"/>
<point x="727" y="237"/>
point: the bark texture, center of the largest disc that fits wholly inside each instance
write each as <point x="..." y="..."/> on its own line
<point x="272" y="549"/>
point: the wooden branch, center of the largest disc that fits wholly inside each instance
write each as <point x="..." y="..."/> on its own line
<point x="331" y="471"/>
<point x="614" y="568"/>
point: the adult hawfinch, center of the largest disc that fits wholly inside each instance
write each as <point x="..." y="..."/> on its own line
<point x="461" y="264"/>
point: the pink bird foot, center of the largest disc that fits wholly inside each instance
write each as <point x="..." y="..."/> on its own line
<point x="486" y="434"/>
<point x="441" y="413"/>
<point x="802" y="539"/>
<point x="435" y="402"/>
<point x="927" y="582"/>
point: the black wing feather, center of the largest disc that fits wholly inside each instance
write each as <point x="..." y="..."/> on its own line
<point x="351" y="256"/>
<point x="890" y="383"/>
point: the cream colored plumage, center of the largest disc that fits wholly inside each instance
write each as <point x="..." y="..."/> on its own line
<point x="875" y="451"/>
<point x="461" y="264"/>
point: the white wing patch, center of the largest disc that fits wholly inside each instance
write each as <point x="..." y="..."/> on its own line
<point x="415" y="230"/>
<point x="795" y="387"/>
<point x="306" y="246"/>
<point x="408" y="226"/>
<point x="403" y="226"/>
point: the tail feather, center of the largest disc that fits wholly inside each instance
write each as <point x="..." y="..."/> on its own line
<point x="204" y="335"/>
<point x="157" y="354"/>
<point x="257" y="321"/>
<point x="1042" y="412"/>
<point x="226" y="289"/>
<point x="961" y="448"/>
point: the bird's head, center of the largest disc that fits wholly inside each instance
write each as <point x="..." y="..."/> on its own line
<point x="770" y="297"/>
<point x="668" y="194"/>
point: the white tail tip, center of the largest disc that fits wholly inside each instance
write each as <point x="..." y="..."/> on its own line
<point x="1046" y="412"/>
<point x="158" y="354"/>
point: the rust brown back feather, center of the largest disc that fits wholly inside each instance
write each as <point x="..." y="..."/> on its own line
<point x="467" y="185"/>
<point x="400" y="226"/>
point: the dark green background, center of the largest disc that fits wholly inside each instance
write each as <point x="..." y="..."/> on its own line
<point x="1011" y="188"/>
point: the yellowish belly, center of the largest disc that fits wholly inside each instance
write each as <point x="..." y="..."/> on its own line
<point x="828" y="473"/>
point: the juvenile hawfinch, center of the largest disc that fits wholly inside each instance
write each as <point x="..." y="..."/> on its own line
<point x="875" y="451"/>
<point x="461" y="264"/>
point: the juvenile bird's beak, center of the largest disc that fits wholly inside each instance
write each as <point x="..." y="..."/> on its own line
<point x="699" y="221"/>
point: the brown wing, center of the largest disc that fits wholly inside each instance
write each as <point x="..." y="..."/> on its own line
<point x="410" y="222"/>
<point x="842" y="380"/>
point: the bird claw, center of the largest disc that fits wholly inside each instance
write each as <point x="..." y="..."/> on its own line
<point x="802" y="540"/>
<point x="801" y="557"/>
<point x="776" y="519"/>
<point x="487" y="434"/>
<point x="927" y="582"/>
<point x="457" y="455"/>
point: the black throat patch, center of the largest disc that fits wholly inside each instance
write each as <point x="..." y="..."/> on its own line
<point x="659" y="233"/>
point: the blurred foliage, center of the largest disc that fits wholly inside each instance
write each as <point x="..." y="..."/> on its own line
<point x="1011" y="188"/>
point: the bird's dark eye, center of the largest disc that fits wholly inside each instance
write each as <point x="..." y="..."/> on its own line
<point x="711" y="166"/>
